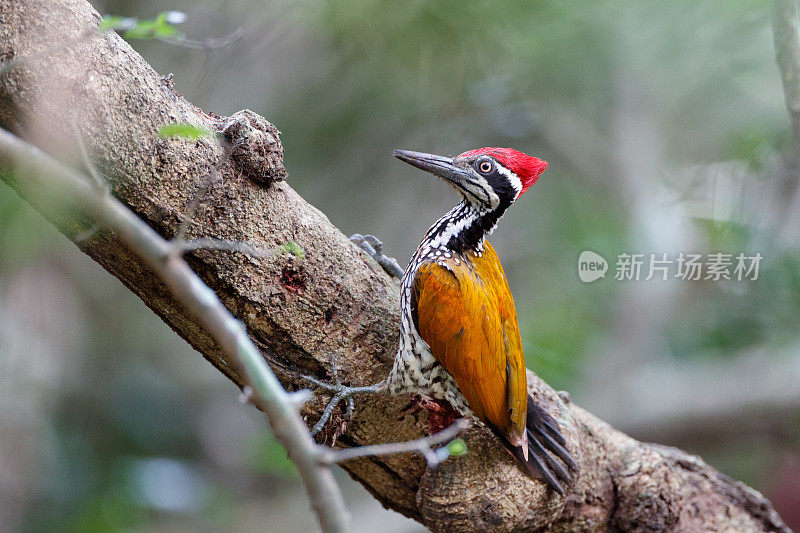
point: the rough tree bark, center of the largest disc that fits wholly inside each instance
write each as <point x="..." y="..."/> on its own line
<point x="334" y="302"/>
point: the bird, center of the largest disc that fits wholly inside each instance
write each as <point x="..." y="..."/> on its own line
<point x="460" y="342"/>
<point x="459" y="339"/>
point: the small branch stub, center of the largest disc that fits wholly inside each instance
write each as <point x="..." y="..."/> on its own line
<point x="255" y="146"/>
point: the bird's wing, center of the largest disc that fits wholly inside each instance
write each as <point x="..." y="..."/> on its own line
<point x="466" y="315"/>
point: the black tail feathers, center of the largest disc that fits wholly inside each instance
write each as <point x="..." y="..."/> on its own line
<point x="545" y="449"/>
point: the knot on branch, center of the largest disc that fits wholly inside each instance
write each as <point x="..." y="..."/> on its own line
<point x="254" y="146"/>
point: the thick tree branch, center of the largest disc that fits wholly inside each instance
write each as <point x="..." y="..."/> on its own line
<point x="335" y="301"/>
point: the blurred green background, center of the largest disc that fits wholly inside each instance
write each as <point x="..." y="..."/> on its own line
<point x="666" y="131"/>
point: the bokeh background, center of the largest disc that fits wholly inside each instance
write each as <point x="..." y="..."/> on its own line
<point x="666" y="131"/>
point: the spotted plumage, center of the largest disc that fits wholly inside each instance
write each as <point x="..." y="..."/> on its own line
<point x="459" y="338"/>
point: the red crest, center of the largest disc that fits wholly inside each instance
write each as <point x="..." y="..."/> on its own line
<point x="526" y="167"/>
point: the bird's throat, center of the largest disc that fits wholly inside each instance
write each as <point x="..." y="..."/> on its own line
<point x="464" y="227"/>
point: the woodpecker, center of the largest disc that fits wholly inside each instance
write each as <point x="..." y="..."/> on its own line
<point x="459" y="338"/>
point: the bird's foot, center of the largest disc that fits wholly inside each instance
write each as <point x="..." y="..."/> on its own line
<point x="374" y="247"/>
<point x="340" y="393"/>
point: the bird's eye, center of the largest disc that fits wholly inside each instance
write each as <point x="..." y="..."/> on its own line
<point x="485" y="167"/>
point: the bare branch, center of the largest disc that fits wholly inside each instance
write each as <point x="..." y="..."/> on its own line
<point x="423" y="445"/>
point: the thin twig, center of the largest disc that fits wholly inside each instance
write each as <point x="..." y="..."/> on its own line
<point x="96" y="177"/>
<point x="204" y="70"/>
<point x="209" y="43"/>
<point x="98" y="181"/>
<point x="423" y="445"/>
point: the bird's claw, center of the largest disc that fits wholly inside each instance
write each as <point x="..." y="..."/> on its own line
<point x="339" y="393"/>
<point x="374" y="247"/>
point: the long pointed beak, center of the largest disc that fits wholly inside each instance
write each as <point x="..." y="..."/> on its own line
<point x="435" y="164"/>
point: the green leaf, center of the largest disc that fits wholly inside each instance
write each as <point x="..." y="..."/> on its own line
<point x="113" y="22"/>
<point x="144" y="29"/>
<point x="150" y="29"/>
<point x="457" y="447"/>
<point x="183" y="129"/>
<point x="294" y="249"/>
<point x="163" y="28"/>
